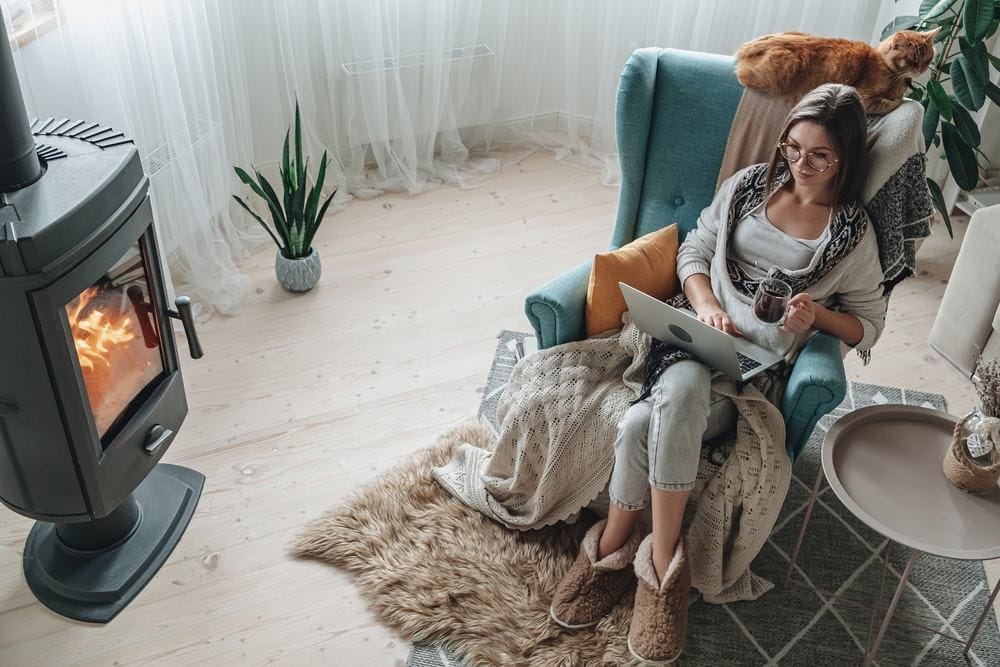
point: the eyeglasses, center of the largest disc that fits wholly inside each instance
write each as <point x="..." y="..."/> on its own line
<point x="816" y="162"/>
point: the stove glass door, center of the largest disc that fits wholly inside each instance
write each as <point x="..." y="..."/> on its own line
<point x="114" y="328"/>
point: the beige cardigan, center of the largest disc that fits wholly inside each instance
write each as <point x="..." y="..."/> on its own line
<point x="853" y="285"/>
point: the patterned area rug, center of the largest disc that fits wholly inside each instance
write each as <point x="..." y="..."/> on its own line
<point x="798" y="625"/>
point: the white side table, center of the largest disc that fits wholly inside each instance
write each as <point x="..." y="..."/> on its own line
<point x="884" y="464"/>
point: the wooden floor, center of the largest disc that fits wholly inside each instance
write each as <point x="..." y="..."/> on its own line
<point x="301" y="399"/>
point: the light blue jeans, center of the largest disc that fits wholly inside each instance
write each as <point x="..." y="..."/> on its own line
<point x="659" y="439"/>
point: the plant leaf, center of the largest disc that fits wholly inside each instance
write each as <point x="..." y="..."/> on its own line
<point x="967" y="127"/>
<point x="960" y="84"/>
<point x="976" y="18"/>
<point x="940" y="98"/>
<point x="993" y="59"/>
<point x="266" y="192"/>
<point x="975" y="80"/>
<point x="274" y="204"/>
<point x="299" y="200"/>
<point x="258" y="219"/>
<point x="970" y="55"/>
<point x="983" y="59"/>
<point x="994" y="24"/>
<point x="272" y="196"/>
<point x="319" y="219"/>
<point x="299" y="163"/>
<point x="285" y="168"/>
<point x="931" y="119"/>
<point x="287" y="179"/>
<point x="993" y="91"/>
<point x="961" y="157"/>
<point x="945" y="23"/>
<point x="938" y="198"/>
<point x="313" y="202"/>
<point x="897" y="24"/>
<point x="247" y="179"/>
<point x="931" y="8"/>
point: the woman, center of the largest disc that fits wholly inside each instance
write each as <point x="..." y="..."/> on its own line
<point x="798" y="214"/>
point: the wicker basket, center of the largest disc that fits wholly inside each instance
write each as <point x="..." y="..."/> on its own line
<point x="965" y="473"/>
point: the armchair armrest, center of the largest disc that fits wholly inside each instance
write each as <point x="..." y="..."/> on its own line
<point x="816" y="386"/>
<point x="556" y="309"/>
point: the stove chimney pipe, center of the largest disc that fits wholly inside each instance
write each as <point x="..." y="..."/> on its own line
<point x="19" y="165"/>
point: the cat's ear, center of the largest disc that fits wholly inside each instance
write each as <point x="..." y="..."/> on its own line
<point x="931" y="34"/>
<point x="898" y="39"/>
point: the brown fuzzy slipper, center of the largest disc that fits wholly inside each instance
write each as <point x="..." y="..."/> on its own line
<point x="659" y="618"/>
<point x="591" y="587"/>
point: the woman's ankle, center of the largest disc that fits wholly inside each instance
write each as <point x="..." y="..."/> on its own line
<point x="661" y="559"/>
<point x="618" y="529"/>
<point x="609" y="543"/>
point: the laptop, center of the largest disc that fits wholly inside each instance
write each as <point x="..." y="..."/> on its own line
<point x="735" y="356"/>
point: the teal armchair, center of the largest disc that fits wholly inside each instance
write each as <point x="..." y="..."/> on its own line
<point x="675" y="109"/>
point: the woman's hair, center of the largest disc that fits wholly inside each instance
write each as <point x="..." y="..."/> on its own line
<point x="839" y="110"/>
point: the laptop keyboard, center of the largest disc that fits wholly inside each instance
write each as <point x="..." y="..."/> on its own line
<point x="746" y="363"/>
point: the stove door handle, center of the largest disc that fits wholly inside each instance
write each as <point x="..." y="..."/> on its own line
<point x="183" y="313"/>
<point x="157" y="437"/>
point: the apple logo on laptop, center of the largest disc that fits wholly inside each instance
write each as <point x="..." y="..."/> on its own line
<point x="679" y="333"/>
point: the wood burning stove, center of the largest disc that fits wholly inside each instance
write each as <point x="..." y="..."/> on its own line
<point x="90" y="385"/>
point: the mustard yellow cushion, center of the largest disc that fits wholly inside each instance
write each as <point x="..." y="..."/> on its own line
<point x="648" y="263"/>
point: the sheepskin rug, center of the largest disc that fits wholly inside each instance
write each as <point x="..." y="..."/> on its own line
<point x="436" y="571"/>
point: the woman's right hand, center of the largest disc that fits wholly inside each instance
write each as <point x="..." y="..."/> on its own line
<point x="698" y="288"/>
<point x="715" y="316"/>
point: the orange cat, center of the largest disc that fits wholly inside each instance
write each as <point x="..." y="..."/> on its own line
<point x="791" y="64"/>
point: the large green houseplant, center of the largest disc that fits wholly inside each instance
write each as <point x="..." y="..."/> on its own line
<point x="295" y="215"/>
<point x="963" y="60"/>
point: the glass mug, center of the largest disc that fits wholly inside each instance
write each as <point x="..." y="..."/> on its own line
<point x="770" y="303"/>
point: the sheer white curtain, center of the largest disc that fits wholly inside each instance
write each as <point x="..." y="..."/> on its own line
<point x="593" y="39"/>
<point x="404" y="95"/>
<point x="163" y="71"/>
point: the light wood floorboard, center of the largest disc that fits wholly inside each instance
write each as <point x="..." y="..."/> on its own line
<point x="301" y="399"/>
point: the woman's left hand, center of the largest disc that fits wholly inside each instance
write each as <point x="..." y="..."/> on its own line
<point x="801" y="313"/>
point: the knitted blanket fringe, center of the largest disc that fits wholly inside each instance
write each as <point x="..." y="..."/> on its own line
<point x="558" y="420"/>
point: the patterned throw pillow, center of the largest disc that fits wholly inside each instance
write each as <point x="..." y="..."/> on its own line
<point x="648" y="263"/>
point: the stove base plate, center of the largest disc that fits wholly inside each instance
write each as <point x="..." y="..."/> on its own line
<point x="93" y="586"/>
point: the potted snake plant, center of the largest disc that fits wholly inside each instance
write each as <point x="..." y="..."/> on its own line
<point x="295" y="215"/>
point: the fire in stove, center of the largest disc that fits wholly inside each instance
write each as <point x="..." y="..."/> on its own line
<point x="116" y="345"/>
<point x="94" y="332"/>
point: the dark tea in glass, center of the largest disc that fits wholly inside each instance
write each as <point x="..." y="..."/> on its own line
<point x="771" y="300"/>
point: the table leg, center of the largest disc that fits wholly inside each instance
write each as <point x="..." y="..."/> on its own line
<point x="884" y="552"/>
<point x="805" y="524"/>
<point x="982" y="618"/>
<point x="914" y="555"/>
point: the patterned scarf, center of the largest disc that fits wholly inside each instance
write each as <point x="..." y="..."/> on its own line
<point x="847" y="229"/>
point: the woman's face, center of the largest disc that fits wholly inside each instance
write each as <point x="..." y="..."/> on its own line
<point x="807" y="137"/>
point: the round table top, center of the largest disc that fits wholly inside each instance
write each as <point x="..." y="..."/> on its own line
<point x="884" y="464"/>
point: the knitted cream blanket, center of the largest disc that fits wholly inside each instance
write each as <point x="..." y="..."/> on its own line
<point x="558" y="421"/>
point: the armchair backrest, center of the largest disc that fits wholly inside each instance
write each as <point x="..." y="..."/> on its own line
<point x="674" y="112"/>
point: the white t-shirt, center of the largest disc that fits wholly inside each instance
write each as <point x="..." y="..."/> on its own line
<point x="758" y="246"/>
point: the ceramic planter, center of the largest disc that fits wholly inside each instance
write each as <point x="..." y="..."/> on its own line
<point x="298" y="275"/>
